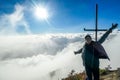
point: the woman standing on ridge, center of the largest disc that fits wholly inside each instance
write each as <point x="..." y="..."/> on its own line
<point x="90" y="54"/>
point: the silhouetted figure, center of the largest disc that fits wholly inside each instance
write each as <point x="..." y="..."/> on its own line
<point x="90" y="54"/>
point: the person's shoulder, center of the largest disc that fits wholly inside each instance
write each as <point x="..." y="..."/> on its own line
<point x="93" y="42"/>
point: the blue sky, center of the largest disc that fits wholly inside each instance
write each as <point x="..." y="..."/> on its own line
<point x="65" y="16"/>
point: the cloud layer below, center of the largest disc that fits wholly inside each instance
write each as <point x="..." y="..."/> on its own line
<point x="47" y="56"/>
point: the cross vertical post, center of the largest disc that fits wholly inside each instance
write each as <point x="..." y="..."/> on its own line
<point x="96" y="22"/>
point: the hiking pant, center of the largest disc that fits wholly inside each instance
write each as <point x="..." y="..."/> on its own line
<point x="92" y="73"/>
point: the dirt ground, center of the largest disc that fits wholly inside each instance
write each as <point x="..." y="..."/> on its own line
<point x="110" y="75"/>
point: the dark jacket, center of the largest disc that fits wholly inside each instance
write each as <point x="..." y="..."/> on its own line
<point x="88" y="55"/>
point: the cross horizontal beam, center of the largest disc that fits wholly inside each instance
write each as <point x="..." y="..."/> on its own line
<point x="95" y="29"/>
<point x="113" y="27"/>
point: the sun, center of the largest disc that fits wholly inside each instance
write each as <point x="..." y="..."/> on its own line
<point x="41" y="12"/>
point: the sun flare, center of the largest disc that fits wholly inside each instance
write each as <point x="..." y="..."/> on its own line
<point x="41" y="13"/>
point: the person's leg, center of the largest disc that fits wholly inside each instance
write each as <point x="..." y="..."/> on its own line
<point x="95" y="69"/>
<point x="88" y="72"/>
<point x="96" y="73"/>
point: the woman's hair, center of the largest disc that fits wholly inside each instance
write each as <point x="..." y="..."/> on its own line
<point x="88" y="36"/>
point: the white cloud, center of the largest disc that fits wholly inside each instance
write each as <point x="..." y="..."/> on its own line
<point x="25" y="54"/>
<point x="9" y="23"/>
<point x="112" y="47"/>
<point x="29" y="45"/>
<point x="47" y="56"/>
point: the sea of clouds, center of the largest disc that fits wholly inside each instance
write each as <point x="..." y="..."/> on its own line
<point x="48" y="56"/>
